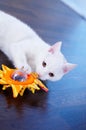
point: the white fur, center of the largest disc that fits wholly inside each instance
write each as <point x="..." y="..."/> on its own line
<point x="26" y="49"/>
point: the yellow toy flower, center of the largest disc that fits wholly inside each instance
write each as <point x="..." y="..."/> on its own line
<point x="18" y="87"/>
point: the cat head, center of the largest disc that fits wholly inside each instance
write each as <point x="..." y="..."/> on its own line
<point x="53" y="65"/>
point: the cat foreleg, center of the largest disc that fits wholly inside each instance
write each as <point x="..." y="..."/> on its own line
<point x="19" y="60"/>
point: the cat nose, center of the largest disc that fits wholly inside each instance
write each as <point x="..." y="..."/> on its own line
<point x="39" y="75"/>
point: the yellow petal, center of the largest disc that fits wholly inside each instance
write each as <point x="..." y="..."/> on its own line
<point x="15" y="90"/>
<point x="41" y="85"/>
<point x="5" y="86"/>
<point x="32" y="90"/>
<point x="22" y="91"/>
<point x="35" y="75"/>
<point x="36" y="81"/>
<point x="34" y="86"/>
<point x="5" y="68"/>
<point x="1" y="73"/>
<point x="2" y="81"/>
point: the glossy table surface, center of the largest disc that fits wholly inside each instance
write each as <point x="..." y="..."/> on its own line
<point x="64" y="106"/>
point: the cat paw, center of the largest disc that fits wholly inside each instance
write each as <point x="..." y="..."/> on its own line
<point x="26" y="69"/>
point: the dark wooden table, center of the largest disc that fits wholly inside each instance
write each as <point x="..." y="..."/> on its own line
<point x="64" y="106"/>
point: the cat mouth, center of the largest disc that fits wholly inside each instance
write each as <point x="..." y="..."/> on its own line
<point x="39" y="75"/>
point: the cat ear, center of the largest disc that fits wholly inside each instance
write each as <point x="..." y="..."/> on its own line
<point x="68" y="67"/>
<point x="55" y="48"/>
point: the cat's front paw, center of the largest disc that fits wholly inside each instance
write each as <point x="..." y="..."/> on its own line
<point x="26" y="69"/>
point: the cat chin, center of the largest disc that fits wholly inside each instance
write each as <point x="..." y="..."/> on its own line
<point x="56" y="78"/>
<point x="50" y="79"/>
<point x="41" y="78"/>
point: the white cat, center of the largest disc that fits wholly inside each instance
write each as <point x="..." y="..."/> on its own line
<point x="26" y="49"/>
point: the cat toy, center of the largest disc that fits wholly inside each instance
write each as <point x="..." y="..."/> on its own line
<point x="19" y="81"/>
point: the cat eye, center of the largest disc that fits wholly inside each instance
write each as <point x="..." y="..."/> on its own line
<point x="51" y="74"/>
<point x="44" y="64"/>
